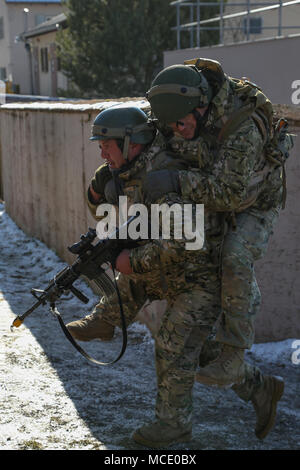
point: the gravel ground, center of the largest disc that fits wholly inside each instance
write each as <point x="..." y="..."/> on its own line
<point x="54" y="399"/>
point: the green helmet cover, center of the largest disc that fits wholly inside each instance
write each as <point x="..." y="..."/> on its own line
<point x="176" y="91"/>
<point x="123" y="122"/>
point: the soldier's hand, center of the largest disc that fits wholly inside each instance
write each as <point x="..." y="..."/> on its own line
<point x="94" y="197"/>
<point x="160" y="182"/>
<point x="123" y="263"/>
<point x="101" y="177"/>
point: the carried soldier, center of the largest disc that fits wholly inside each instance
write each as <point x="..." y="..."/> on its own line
<point x="217" y="147"/>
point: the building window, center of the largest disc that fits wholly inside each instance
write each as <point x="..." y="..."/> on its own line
<point x="1" y="28"/>
<point x="2" y="73"/>
<point x="255" y="25"/>
<point x="44" y="59"/>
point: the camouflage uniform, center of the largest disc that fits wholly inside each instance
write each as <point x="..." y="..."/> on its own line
<point x="191" y="281"/>
<point x="135" y="289"/>
<point x="159" y="266"/>
<point x="192" y="310"/>
<point x="188" y="280"/>
<point x="236" y="179"/>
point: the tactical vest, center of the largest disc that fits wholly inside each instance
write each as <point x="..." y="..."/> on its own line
<point x="131" y="179"/>
<point x="162" y="283"/>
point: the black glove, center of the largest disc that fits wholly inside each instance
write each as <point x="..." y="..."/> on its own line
<point x="101" y="177"/>
<point x="160" y="182"/>
<point x="113" y="189"/>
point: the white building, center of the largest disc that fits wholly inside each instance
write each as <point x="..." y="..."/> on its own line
<point x="257" y="41"/>
<point x="17" y="17"/>
<point x="236" y="20"/>
<point x="46" y="77"/>
<point x="259" y="19"/>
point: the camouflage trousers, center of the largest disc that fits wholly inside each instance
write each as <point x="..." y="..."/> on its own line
<point x="241" y="297"/>
<point x="181" y="340"/>
<point x="187" y="322"/>
<point x="252" y="380"/>
<point x="137" y="290"/>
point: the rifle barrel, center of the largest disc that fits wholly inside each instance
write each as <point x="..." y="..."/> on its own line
<point x="20" y="318"/>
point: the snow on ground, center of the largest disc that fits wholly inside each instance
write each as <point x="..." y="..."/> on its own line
<point x="54" y="399"/>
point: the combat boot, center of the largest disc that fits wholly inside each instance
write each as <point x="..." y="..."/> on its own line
<point x="159" y="434"/>
<point x="265" y="404"/>
<point x="227" y="369"/>
<point x="91" y="327"/>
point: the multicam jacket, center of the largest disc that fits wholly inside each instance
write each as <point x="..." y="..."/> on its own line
<point x="238" y="161"/>
<point x="166" y="260"/>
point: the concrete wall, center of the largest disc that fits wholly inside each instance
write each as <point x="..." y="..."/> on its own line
<point x="273" y="64"/>
<point x="46" y="171"/>
<point x="48" y="160"/>
<point x="278" y="273"/>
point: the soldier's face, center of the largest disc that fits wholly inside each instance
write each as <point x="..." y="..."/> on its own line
<point x="186" y="126"/>
<point x="112" y="153"/>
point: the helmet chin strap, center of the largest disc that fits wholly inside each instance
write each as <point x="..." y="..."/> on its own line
<point x="200" y="119"/>
<point x="128" y="133"/>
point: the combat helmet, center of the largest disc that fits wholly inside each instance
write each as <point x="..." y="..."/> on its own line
<point x="176" y="91"/>
<point x="128" y="124"/>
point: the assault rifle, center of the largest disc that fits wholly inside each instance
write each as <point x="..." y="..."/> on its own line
<point x="90" y="258"/>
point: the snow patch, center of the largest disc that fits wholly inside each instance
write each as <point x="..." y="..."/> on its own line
<point x="52" y="398"/>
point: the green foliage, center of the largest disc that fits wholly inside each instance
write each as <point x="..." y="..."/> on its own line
<point x="114" y="48"/>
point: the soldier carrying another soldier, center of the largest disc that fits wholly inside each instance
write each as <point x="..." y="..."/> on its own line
<point x="218" y="173"/>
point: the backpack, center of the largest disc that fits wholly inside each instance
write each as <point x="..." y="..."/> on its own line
<point x="277" y="140"/>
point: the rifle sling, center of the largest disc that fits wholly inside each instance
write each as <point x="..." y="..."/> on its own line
<point x="79" y="348"/>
